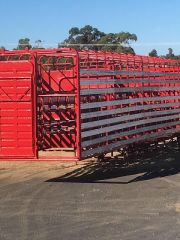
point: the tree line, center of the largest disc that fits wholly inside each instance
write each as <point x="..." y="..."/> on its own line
<point x="92" y="38"/>
<point x="169" y="55"/>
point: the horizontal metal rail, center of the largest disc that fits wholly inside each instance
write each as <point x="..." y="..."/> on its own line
<point x="127" y="125"/>
<point x="84" y="82"/>
<point x="103" y="113"/>
<point x="127" y="101"/>
<point x="129" y="73"/>
<point x="125" y="89"/>
<point x="14" y="78"/>
<point x="90" y="142"/>
<point x="57" y="95"/>
<point x="122" y="143"/>
<point x="14" y="101"/>
<point x="128" y="117"/>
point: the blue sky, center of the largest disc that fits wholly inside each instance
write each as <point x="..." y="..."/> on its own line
<point x="155" y="22"/>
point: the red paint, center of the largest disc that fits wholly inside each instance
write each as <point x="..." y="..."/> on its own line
<point x="41" y="106"/>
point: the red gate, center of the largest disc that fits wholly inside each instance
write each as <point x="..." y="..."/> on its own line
<point x="17" y="110"/>
<point x="57" y="105"/>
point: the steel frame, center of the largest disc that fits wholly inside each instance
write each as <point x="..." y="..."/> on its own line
<point x="91" y="102"/>
<point x="126" y="100"/>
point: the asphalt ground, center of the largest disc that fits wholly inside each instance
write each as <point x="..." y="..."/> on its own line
<point x="96" y="199"/>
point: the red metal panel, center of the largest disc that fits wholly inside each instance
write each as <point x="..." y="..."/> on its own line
<point x="17" y="110"/>
<point x="88" y="102"/>
<point x="113" y="84"/>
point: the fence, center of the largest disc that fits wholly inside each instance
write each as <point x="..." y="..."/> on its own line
<point x="68" y="104"/>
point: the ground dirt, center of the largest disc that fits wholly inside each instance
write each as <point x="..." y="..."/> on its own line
<point x="94" y="199"/>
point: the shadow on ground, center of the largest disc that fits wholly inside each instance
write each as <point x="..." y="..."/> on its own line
<point x="155" y="161"/>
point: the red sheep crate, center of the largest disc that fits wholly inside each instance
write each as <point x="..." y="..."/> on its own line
<point x="63" y="104"/>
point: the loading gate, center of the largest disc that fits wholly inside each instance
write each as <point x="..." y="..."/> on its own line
<point x="67" y="104"/>
<point x="17" y="108"/>
<point x="57" y="103"/>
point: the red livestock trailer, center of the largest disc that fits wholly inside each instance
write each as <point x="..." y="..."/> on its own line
<point x="63" y="104"/>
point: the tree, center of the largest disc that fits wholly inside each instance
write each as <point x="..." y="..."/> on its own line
<point x="118" y="42"/>
<point x="153" y="53"/>
<point x="24" y="43"/>
<point x="97" y="40"/>
<point x="170" y="54"/>
<point x="38" y="44"/>
<point x="2" y="48"/>
<point x="85" y="35"/>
